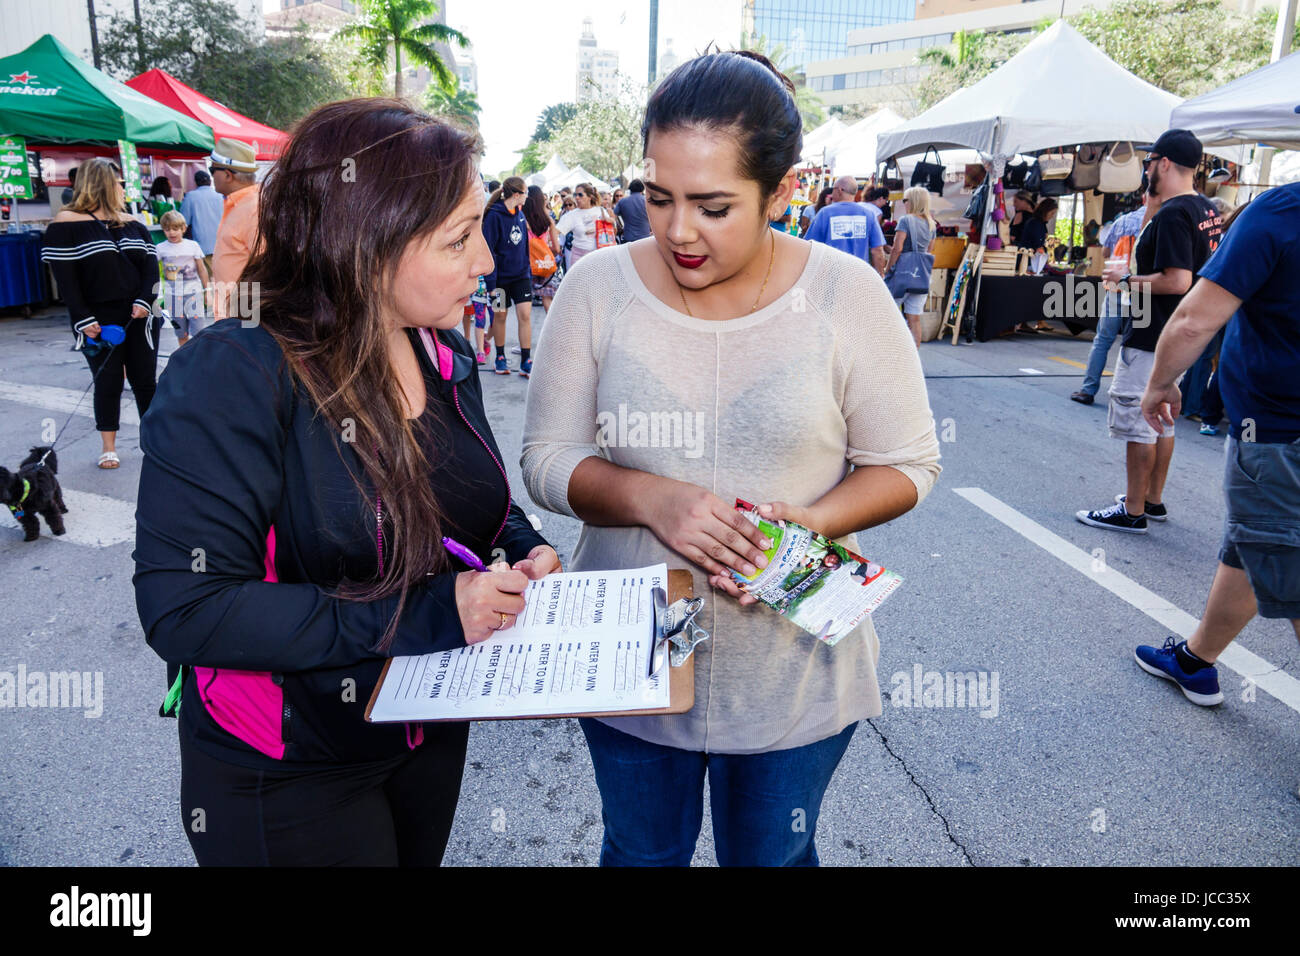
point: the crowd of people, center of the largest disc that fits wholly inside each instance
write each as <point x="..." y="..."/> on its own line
<point x="329" y="554"/>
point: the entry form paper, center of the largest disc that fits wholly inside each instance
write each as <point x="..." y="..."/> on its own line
<point x="581" y="645"/>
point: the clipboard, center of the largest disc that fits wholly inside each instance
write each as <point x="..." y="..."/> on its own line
<point x="681" y="680"/>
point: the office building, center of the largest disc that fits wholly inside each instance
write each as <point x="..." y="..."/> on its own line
<point x="597" y="69"/>
<point x="817" y="29"/>
<point x="880" y="65"/>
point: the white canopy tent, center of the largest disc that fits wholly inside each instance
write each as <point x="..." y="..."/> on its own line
<point x="1260" y="107"/>
<point x="1010" y="112"/>
<point x="575" y="176"/>
<point x="823" y="137"/>
<point x="855" y="150"/>
<point x="554" y="169"/>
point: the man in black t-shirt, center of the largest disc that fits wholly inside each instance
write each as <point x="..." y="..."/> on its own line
<point x="1172" y="248"/>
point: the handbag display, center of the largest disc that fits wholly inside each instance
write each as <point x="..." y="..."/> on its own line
<point x="1053" y="187"/>
<point x="893" y="183"/>
<point x="1034" y="178"/>
<point x="1087" y="168"/>
<point x="1055" y="166"/>
<point x="975" y="174"/>
<point x="927" y="174"/>
<point x="1016" y="174"/>
<point x="975" y="208"/>
<point x="1120" y="171"/>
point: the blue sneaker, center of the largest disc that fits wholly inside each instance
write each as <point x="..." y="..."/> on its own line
<point x="1200" y="688"/>
<point x="1208" y="429"/>
<point x="501" y="367"/>
<point x="526" y="368"/>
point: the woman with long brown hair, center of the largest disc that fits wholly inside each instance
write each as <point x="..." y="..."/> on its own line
<point x="107" y="269"/>
<point x="542" y="228"/>
<point x="295" y="495"/>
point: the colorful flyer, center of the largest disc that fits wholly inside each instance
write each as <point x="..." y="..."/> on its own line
<point x="819" y="585"/>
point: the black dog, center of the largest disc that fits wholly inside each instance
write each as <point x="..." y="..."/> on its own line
<point x="34" y="490"/>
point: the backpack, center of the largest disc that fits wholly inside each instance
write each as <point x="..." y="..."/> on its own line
<point x="541" y="257"/>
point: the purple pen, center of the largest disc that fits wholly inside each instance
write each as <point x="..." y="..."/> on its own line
<point x="464" y="553"/>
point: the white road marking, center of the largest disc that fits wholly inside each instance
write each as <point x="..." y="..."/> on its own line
<point x="62" y="400"/>
<point x="95" y="521"/>
<point x="1268" y="678"/>
<point x="1033" y="371"/>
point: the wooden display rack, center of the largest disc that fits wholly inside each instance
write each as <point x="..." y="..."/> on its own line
<point x="1005" y="262"/>
<point x="969" y="267"/>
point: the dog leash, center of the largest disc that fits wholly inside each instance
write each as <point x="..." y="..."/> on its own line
<point x="59" y="434"/>
<point x="162" y="314"/>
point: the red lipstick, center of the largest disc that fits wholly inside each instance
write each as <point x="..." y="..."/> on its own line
<point x="689" y="262"/>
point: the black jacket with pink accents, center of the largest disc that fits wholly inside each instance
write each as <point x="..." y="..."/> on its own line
<point x="249" y="519"/>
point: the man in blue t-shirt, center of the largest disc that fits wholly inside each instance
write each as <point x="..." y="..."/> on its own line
<point x="631" y="208"/>
<point x="1254" y="271"/>
<point x="846" y="225"/>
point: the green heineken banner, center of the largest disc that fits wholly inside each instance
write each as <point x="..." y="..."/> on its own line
<point x="15" y="181"/>
<point x="130" y="171"/>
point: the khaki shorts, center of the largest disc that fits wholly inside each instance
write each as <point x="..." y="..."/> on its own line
<point x="1124" y="418"/>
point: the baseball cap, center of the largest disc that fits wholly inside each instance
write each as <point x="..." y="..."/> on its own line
<point x="1179" y="146"/>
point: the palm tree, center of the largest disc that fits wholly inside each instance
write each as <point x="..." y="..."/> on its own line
<point x="396" y="24"/>
<point x="810" y="105"/>
<point x="461" y="105"/>
<point x="966" y="47"/>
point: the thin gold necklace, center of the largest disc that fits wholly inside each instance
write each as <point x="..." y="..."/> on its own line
<point x="770" y="259"/>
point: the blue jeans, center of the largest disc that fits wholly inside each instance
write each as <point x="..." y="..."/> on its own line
<point x="1196" y="381"/>
<point x="764" y="806"/>
<point x="1108" y="328"/>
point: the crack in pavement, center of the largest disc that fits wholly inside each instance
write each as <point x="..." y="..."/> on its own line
<point x="925" y="793"/>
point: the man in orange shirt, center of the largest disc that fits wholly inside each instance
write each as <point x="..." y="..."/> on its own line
<point x="233" y="175"/>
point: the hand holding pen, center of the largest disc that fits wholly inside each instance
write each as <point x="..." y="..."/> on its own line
<point x="491" y="599"/>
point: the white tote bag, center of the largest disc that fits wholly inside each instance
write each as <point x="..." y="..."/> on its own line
<point x="1120" y="170"/>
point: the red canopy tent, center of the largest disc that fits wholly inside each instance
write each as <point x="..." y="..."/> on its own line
<point x="157" y="84"/>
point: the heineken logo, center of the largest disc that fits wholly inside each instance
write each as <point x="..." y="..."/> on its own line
<point x="26" y="79"/>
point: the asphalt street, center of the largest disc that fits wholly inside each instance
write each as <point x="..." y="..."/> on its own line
<point x="1078" y="758"/>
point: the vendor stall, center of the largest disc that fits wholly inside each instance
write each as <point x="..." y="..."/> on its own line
<point x="1006" y="113"/>
<point x="66" y="111"/>
<point x="1261" y="108"/>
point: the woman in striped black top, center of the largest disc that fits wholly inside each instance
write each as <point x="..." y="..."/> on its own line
<point x="107" y="271"/>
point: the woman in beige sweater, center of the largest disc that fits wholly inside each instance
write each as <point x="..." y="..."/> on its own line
<point x="779" y="371"/>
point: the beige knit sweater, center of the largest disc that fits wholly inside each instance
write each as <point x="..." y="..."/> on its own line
<point x="773" y="406"/>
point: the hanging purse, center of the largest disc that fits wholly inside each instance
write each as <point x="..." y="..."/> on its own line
<point x="1054" y="187"/>
<point x="927" y="174"/>
<point x="1120" y="171"/>
<point x="1015" y="175"/>
<point x="1087" y="168"/>
<point x="1033" y="179"/>
<point x="1056" y="166"/>
<point x="975" y="209"/>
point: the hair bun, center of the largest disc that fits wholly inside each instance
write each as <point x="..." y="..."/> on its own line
<point x="761" y="58"/>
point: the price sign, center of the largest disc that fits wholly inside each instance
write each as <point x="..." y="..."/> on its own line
<point x="130" y="170"/>
<point x="15" y="181"/>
